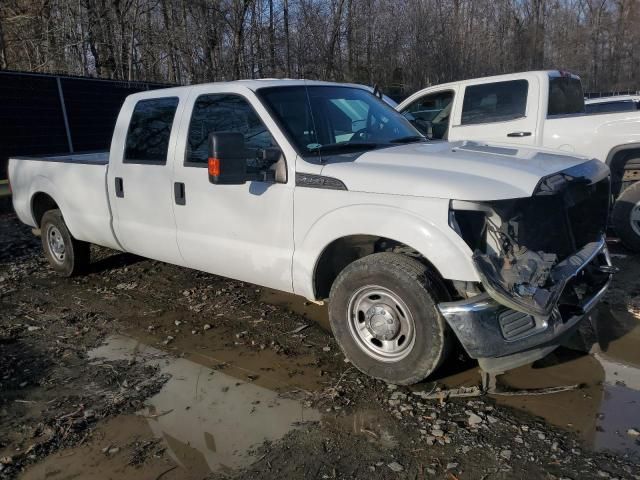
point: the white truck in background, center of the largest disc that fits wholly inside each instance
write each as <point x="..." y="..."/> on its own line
<point x="323" y="190"/>
<point x="615" y="103"/>
<point x="543" y="109"/>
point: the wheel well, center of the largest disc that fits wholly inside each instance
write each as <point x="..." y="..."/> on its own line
<point x="343" y="251"/>
<point x="625" y="167"/>
<point x="41" y="203"/>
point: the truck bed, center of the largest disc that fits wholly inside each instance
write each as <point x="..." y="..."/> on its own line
<point x="93" y="158"/>
<point x="77" y="182"/>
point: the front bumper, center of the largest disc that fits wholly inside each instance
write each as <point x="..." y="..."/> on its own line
<point x="503" y="337"/>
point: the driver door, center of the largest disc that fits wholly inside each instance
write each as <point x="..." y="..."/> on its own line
<point x="238" y="231"/>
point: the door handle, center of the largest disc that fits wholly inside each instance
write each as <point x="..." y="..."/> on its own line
<point x="119" y="187"/>
<point x="519" y="134"/>
<point x="179" y="193"/>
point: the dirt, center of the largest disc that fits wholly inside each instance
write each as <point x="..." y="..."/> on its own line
<point x="141" y="369"/>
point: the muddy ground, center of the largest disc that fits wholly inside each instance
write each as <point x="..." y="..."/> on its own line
<point x="145" y="370"/>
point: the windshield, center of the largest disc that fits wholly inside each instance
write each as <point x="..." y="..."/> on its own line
<point x="323" y="118"/>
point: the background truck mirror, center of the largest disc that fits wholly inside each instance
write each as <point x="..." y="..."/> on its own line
<point x="227" y="158"/>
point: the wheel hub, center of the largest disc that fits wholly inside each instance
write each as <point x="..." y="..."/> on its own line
<point x="382" y="323"/>
<point x="56" y="243"/>
<point x="635" y="218"/>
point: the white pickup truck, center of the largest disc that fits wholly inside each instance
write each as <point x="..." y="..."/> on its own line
<point x="540" y="109"/>
<point x="323" y="190"/>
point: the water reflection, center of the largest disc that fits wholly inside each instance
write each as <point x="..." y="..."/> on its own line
<point x="207" y="419"/>
<point x="608" y="403"/>
<point x="619" y="408"/>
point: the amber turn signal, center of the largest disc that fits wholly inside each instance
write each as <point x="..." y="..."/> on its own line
<point x="214" y="167"/>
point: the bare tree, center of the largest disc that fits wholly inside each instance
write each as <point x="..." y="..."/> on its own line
<point x="399" y="44"/>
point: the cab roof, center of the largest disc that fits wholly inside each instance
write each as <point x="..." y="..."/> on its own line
<point x="238" y="85"/>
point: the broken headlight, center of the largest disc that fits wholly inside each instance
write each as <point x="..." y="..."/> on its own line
<point x="502" y="242"/>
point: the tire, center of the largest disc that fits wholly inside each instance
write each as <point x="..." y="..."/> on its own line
<point x="380" y="296"/>
<point x="626" y="217"/>
<point x="66" y="255"/>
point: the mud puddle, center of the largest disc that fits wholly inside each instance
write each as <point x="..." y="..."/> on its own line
<point x="229" y="347"/>
<point x="205" y="419"/>
<point x="297" y="304"/>
<point x="607" y="404"/>
<point x="602" y="411"/>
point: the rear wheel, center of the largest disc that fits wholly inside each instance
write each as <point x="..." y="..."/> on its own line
<point x="66" y="255"/>
<point x="383" y="314"/>
<point x="626" y="217"/>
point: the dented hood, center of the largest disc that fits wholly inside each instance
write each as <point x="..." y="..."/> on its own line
<point x="459" y="170"/>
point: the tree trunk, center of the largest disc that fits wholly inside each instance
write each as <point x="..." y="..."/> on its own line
<point x="286" y="37"/>
<point x="272" y="40"/>
<point x="3" y="50"/>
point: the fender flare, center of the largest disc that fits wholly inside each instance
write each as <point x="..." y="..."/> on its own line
<point x="620" y="148"/>
<point x="41" y="184"/>
<point x="617" y="168"/>
<point x="445" y="250"/>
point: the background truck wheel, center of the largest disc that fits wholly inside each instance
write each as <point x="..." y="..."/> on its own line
<point x="383" y="314"/>
<point x="626" y="217"/>
<point x="66" y="255"/>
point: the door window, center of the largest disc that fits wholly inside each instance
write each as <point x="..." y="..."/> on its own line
<point x="149" y="131"/>
<point x="430" y="114"/>
<point x="215" y="113"/>
<point x="494" y="102"/>
<point x="565" y="96"/>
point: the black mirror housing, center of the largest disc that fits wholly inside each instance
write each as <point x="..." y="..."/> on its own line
<point x="227" y="158"/>
<point x="423" y="126"/>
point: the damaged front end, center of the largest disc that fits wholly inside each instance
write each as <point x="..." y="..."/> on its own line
<point x="543" y="265"/>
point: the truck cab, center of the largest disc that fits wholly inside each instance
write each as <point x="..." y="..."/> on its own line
<point x="325" y="191"/>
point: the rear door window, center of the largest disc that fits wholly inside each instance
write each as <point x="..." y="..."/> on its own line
<point x="149" y="131"/>
<point x="565" y="96"/>
<point x="494" y="102"/>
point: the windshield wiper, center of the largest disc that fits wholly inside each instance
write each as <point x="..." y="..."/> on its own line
<point x="345" y="146"/>
<point x="409" y="139"/>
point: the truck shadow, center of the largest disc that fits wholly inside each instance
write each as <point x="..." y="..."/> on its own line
<point x="114" y="262"/>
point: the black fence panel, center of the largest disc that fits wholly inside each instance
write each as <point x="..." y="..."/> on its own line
<point x="32" y="120"/>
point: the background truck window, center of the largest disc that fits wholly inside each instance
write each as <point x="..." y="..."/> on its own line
<point x="224" y="113"/>
<point x="431" y="110"/>
<point x="149" y="131"/>
<point x="565" y="96"/>
<point x="612" y="107"/>
<point x="494" y="102"/>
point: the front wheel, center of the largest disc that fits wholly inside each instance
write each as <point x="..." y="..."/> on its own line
<point x="66" y="255"/>
<point x="626" y="217"/>
<point x="383" y="314"/>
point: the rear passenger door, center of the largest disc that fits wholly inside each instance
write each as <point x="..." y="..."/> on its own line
<point x="504" y="112"/>
<point x="140" y="178"/>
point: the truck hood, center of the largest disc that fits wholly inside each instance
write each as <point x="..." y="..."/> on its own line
<point x="458" y="170"/>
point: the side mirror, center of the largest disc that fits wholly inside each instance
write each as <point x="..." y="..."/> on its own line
<point x="424" y="126"/>
<point x="227" y="158"/>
